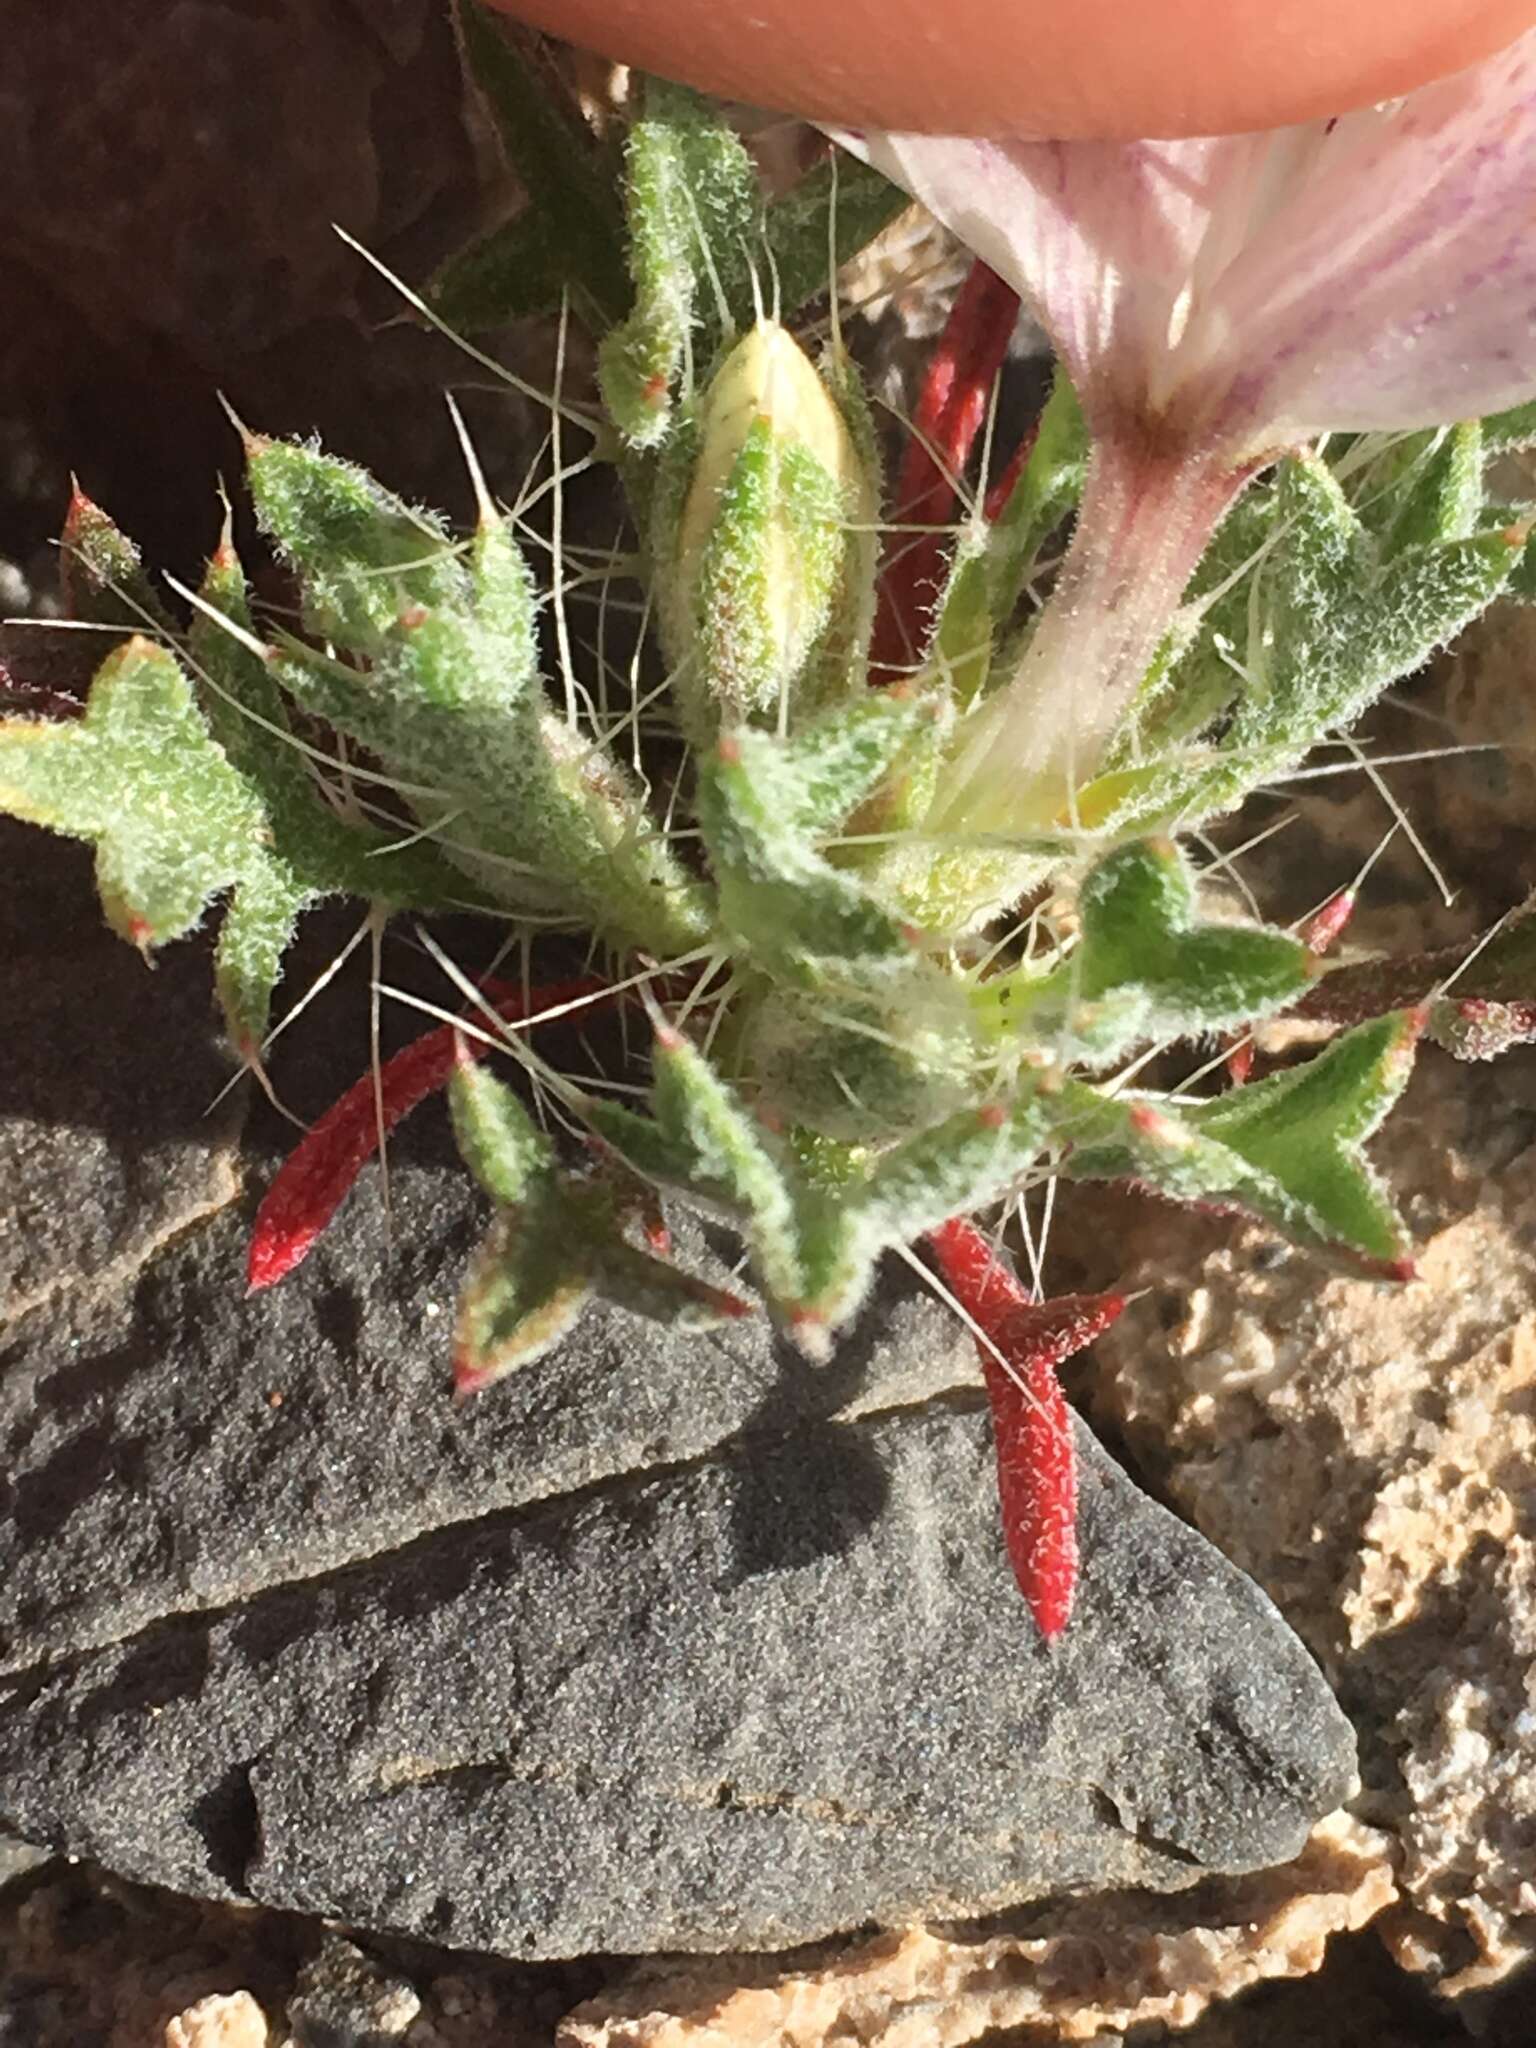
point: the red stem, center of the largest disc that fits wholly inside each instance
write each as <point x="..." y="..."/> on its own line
<point x="951" y="410"/>
<point x="1032" y="1425"/>
<point x="316" y="1176"/>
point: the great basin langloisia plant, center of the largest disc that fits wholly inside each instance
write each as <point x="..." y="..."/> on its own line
<point x="905" y="928"/>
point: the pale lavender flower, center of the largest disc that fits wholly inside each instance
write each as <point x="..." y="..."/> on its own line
<point x="1217" y="301"/>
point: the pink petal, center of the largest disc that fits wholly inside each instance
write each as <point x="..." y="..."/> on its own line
<point x="1397" y="285"/>
<point x="1099" y="237"/>
<point x="1241" y="293"/>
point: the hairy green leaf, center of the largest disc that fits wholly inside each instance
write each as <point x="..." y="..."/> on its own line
<point x="1048" y="488"/>
<point x="139" y="776"/>
<point x="789" y="907"/>
<point x="501" y="1145"/>
<point x="526" y="1287"/>
<point x="1287" y="1149"/>
<point x="692" y="195"/>
<point x="362" y="555"/>
<point x="102" y="576"/>
<point x="1303" y="1130"/>
<point x="1513" y="429"/>
<point x="1147" y="965"/>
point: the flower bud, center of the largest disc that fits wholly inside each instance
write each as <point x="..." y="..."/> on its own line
<point x="765" y="578"/>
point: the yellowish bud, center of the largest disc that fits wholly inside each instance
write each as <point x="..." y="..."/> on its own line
<point x="764" y="579"/>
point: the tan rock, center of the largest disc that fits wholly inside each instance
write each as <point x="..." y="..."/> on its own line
<point x="1072" y="1971"/>
<point x="1486" y="683"/>
<point x="1369" y="1454"/>
<point x="230" y="2019"/>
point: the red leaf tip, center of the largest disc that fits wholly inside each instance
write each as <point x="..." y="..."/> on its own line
<point x="1321" y="929"/>
<point x="1240" y="1063"/>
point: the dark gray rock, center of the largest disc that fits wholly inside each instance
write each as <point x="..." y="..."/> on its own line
<point x="229" y="116"/>
<point x="745" y="1704"/>
<point x="170" y="1446"/>
<point x="107" y="1149"/>
<point x="663" y="1644"/>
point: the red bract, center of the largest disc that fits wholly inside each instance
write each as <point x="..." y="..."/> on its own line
<point x="951" y="410"/>
<point x="1032" y="1425"/>
<point x="317" y="1174"/>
